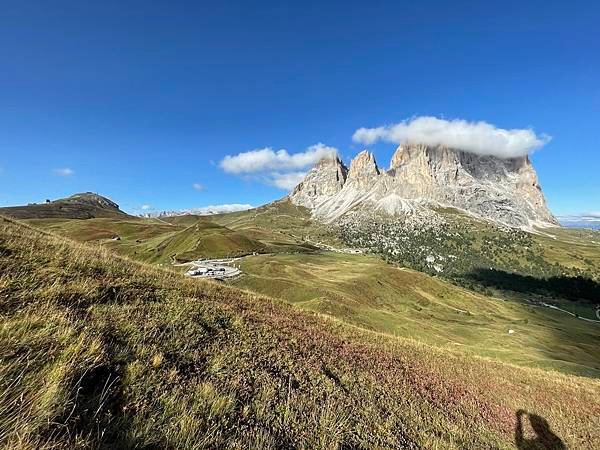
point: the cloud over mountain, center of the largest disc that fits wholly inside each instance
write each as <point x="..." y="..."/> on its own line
<point x="287" y="181"/>
<point x="475" y="137"/>
<point x="265" y="159"/>
<point x="276" y="168"/>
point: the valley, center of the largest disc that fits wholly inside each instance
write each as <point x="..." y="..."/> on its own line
<point x="102" y="346"/>
<point x="371" y="294"/>
<point x="243" y="325"/>
<point x="432" y="283"/>
<point x="451" y="314"/>
<point x="275" y="228"/>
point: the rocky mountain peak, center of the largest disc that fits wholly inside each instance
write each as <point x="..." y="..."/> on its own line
<point x="404" y="153"/>
<point x="325" y="179"/>
<point x="332" y="160"/>
<point x="90" y="198"/>
<point x="363" y="168"/>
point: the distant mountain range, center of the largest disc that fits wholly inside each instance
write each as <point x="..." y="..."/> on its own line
<point x="203" y="211"/>
<point x="505" y="191"/>
<point x="584" y="221"/>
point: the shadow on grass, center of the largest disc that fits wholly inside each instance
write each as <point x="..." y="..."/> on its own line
<point x="570" y="288"/>
<point x="544" y="437"/>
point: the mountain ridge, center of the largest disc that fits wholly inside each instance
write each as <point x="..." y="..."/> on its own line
<point x="83" y="205"/>
<point x="505" y="191"/>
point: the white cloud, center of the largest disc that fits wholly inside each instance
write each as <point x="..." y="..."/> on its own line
<point x="475" y="137"/>
<point x="286" y="181"/>
<point x="198" y="186"/>
<point x="64" y="172"/>
<point x="276" y="168"/>
<point x="218" y="209"/>
<point x="267" y="159"/>
<point x="146" y="207"/>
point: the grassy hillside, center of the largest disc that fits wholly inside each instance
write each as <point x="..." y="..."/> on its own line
<point x="206" y="239"/>
<point x="370" y="293"/>
<point x="85" y="205"/>
<point x="270" y="229"/>
<point x="98" y="351"/>
<point x="367" y="292"/>
<point x="482" y="256"/>
<point x="281" y="224"/>
<point x="137" y="238"/>
<point x="559" y="268"/>
<point x="571" y="247"/>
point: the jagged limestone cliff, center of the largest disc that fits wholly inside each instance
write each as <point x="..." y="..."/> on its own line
<point x="324" y="180"/>
<point x="506" y="191"/>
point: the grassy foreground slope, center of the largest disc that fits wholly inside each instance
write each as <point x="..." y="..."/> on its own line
<point x="370" y="293"/>
<point x="99" y="351"/>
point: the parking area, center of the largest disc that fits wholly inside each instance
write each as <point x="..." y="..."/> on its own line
<point x="214" y="268"/>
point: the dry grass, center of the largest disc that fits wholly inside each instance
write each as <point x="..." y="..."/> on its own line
<point x="101" y="352"/>
<point x="367" y="292"/>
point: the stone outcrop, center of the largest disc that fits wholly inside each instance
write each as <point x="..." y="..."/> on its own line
<point x="506" y="191"/>
<point x="324" y="180"/>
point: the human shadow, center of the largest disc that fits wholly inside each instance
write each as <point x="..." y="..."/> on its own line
<point x="544" y="437"/>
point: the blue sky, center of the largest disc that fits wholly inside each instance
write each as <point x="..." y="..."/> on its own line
<point x="141" y="101"/>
